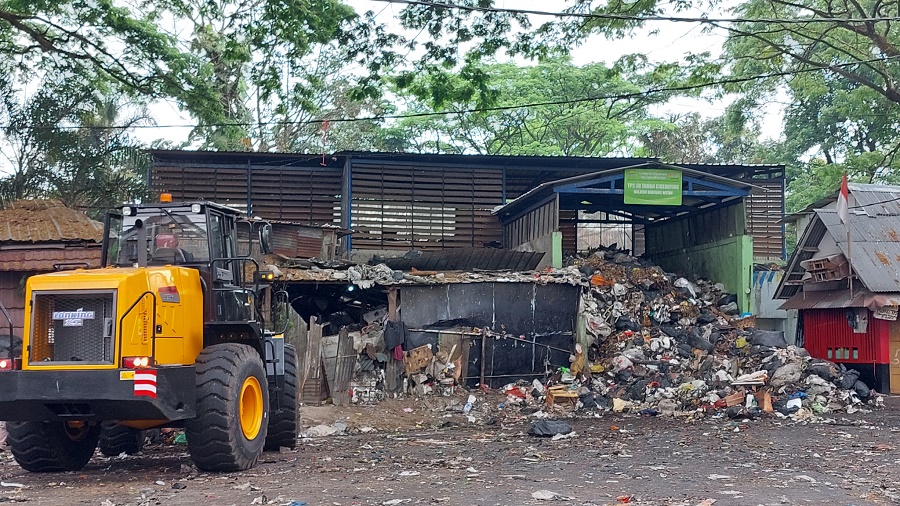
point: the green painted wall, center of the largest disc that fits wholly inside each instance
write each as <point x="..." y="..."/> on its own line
<point x="714" y="245"/>
<point x="727" y="261"/>
<point x="556" y="260"/>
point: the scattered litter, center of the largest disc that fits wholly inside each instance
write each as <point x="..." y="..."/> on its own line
<point x="325" y="430"/>
<point x="11" y="484"/>
<point x="549" y="428"/>
<point x="410" y="473"/>
<point x="548" y="495"/>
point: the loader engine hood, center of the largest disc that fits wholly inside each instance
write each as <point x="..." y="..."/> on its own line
<point x="83" y="318"/>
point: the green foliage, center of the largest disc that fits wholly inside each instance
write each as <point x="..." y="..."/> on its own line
<point x="584" y="111"/>
<point x="60" y="145"/>
<point x="842" y="93"/>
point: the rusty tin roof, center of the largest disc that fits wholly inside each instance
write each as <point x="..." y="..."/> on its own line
<point x="42" y="221"/>
<point x="874" y="248"/>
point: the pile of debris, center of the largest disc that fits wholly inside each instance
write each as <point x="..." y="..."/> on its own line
<point x="652" y="343"/>
<point x="664" y="345"/>
<point x="369" y="276"/>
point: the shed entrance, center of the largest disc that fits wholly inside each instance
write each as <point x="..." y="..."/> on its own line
<point x="692" y="222"/>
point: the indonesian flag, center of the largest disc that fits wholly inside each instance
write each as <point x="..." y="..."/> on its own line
<point x="145" y="383"/>
<point x="843" y="202"/>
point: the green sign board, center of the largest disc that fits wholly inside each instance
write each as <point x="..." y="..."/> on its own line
<point x="661" y="187"/>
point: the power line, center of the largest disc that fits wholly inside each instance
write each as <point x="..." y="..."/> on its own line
<point x="382" y="117"/>
<point x="861" y="206"/>
<point x="625" y="17"/>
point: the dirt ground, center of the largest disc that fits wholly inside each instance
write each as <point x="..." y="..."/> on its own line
<point x="404" y="452"/>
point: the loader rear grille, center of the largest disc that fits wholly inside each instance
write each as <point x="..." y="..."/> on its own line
<point x="74" y="327"/>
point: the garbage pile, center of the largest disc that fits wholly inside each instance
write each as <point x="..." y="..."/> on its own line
<point x="659" y="344"/>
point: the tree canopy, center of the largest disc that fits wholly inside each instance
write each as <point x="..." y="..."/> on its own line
<point x="469" y="76"/>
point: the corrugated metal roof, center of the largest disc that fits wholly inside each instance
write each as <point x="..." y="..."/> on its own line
<point x="35" y="221"/>
<point x="874" y="248"/>
<point x="542" y="191"/>
<point x="837" y="299"/>
<point x="547" y="162"/>
<point x="877" y="199"/>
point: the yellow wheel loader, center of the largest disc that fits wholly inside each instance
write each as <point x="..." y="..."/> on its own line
<point x="170" y="331"/>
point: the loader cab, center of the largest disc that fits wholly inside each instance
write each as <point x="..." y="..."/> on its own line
<point x="199" y="235"/>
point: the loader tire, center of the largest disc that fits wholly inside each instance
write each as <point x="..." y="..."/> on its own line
<point x="232" y="409"/>
<point x="283" y="421"/>
<point x="52" y="447"/>
<point x="117" y="439"/>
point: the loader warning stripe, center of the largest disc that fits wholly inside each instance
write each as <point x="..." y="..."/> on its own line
<point x="145" y="383"/>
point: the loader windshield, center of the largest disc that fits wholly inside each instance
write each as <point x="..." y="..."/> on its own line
<point x="169" y="235"/>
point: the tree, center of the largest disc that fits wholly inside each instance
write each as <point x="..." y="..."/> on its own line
<point x="70" y="141"/>
<point x="836" y="63"/>
<point x="583" y="111"/>
<point x="120" y="42"/>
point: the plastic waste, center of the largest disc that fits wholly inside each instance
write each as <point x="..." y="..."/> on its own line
<point x="549" y="428"/>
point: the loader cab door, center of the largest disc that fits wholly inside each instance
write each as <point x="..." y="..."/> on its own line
<point x="231" y="301"/>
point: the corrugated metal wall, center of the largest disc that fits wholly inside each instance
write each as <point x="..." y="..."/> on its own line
<point x="825" y="331"/>
<point x="307" y="194"/>
<point x="764" y="211"/>
<point x="12" y="295"/>
<point x="696" y="229"/>
<point x="532" y="225"/>
<point x="402" y="208"/>
<point x="406" y="205"/>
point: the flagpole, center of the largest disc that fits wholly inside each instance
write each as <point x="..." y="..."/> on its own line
<point x="843" y="212"/>
<point x="849" y="262"/>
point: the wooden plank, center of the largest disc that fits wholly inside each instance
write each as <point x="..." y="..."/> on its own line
<point x="345" y="366"/>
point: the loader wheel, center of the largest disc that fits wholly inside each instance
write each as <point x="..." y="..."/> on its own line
<point x="232" y="409"/>
<point x="283" y="421"/>
<point x="50" y="447"/>
<point x="117" y="439"/>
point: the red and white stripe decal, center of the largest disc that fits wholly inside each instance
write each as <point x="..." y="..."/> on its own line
<point x="145" y="383"/>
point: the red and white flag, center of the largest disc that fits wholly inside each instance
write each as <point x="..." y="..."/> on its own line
<point x="843" y="201"/>
<point x="145" y="383"/>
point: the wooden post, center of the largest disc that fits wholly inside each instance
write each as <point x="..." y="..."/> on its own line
<point x="392" y="304"/>
<point x="483" y="357"/>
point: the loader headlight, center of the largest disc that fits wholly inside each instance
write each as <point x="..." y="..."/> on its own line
<point x="265" y="276"/>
